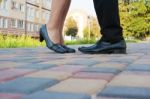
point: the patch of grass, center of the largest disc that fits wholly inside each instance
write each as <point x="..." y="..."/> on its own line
<point x="11" y="41"/>
<point x="92" y="41"/>
<point x="83" y="41"/>
<point x="133" y="41"/>
<point x="23" y="41"/>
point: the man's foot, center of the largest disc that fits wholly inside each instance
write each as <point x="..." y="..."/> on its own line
<point x="105" y="48"/>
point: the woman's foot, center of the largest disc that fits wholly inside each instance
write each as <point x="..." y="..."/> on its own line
<point x="69" y="50"/>
<point x="53" y="45"/>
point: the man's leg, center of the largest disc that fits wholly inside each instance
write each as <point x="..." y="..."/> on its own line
<point x="112" y="40"/>
<point x="108" y="16"/>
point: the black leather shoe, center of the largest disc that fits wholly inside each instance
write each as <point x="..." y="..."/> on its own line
<point x="55" y="47"/>
<point x="105" y="48"/>
<point x="69" y="50"/>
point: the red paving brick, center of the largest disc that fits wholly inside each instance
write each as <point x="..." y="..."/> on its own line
<point x="3" y="68"/>
<point x="10" y="74"/>
<point x="10" y="96"/>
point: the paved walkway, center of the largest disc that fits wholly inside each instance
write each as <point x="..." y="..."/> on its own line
<point x="41" y="74"/>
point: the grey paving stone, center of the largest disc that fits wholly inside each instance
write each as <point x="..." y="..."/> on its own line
<point x="86" y="62"/>
<point x="126" y="92"/>
<point x="38" y="66"/>
<point x="127" y="61"/>
<point x="56" y="95"/>
<point x="101" y="70"/>
<point x="111" y="98"/>
<point x="25" y="60"/>
<point x="26" y="85"/>
<point x="139" y="67"/>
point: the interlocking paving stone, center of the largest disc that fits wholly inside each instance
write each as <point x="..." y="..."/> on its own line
<point x="89" y="75"/>
<point x="115" y="65"/>
<point x="68" y="68"/>
<point x="126" y="92"/>
<point x="135" y="73"/>
<point x="10" y="74"/>
<point x="9" y="64"/>
<point x="57" y="95"/>
<point x="3" y="68"/>
<point x="122" y="60"/>
<point x="10" y="96"/>
<point x="38" y="66"/>
<point x="51" y="74"/>
<point x="142" y="61"/>
<point x="26" y="85"/>
<point x="110" y="98"/>
<point x="57" y="61"/>
<point x="25" y="59"/>
<point x="87" y="62"/>
<point x="81" y="72"/>
<point x="139" y="67"/>
<point x="87" y="86"/>
<point x="100" y="58"/>
<point x="101" y="70"/>
<point x="131" y="80"/>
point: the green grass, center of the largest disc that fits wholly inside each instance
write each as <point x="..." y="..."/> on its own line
<point x="23" y="41"/>
<point x="83" y="41"/>
<point x="92" y="41"/>
<point x="10" y="41"/>
<point x="133" y="41"/>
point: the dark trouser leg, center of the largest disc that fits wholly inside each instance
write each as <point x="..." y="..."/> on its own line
<point x="108" y="16"/>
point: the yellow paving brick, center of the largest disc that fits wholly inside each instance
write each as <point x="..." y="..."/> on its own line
<point x="111" y="65"/>
<point x="131" y="80"/>
<point x="51" y="74"/>
<point x="87" y="86"/>
<point x="10" y="65"/>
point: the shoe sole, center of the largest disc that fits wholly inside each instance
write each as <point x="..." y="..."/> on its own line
<point x="112" y="51"/>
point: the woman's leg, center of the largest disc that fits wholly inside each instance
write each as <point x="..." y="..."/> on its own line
<point x="53" y="25"/>
<point x="66" y="8"/>
<point x="65" y="11"/>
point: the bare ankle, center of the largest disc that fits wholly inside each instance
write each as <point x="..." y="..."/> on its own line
<point x="52" y="28"/>
<point x="54" y="36"/>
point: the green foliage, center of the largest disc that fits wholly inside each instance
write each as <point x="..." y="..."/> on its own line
<point x="71" y="27"/>
<point x="138" y="9"/>
<point x="72" y="31"/>
<point x="139" y="28"/>
<point x="86" y="32"/>
<point x="135" y="19"/>
<point x="11" y="41"/>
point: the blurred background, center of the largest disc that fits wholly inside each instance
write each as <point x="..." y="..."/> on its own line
<point x="20" y="21"/>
